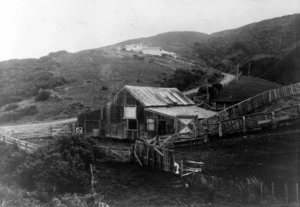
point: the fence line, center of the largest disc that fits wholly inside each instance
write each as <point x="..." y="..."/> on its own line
<point x="27" y="146"/>
<point x="254" y="102"/>
<point x="235" y="118"/>
<point x="249" y="123"/>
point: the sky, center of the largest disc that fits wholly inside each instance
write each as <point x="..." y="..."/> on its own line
<point x="34" y="28"/>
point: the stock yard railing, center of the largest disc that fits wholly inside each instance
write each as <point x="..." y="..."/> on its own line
<point x="235" y="118"/>
<point x="27" y="146"/>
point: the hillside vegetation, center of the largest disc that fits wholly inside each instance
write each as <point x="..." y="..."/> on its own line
<point x="64" y="84"/>
<point x="267" y="48"/>
<point x="245" y="88"/>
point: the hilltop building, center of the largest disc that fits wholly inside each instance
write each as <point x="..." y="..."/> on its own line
<point x="152" y="51"/>
<point x="134" y="47"/>
<point x="143" y="112"/>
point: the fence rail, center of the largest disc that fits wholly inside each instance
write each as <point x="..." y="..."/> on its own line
<point x="254" y="102"/>
<point x="235" y="118"/>
<point x="250" y="122"/>
<point x="27" y="146"/>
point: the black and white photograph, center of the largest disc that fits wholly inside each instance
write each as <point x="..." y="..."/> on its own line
<point x="149" y="103"/>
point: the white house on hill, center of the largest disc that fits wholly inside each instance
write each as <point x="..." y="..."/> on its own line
<point x="134" y="47"/>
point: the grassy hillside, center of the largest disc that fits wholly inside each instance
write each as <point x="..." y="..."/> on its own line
<point x="282" y="70"/>
<point x="178" y="42"/>
<point x="245" y="88"/>
<point x="64" y="84"/>
<point x="267" y="41"/>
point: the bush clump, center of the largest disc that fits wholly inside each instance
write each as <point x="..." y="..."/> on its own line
<point x="43" y="96"/>
<point x="61" y="167"/>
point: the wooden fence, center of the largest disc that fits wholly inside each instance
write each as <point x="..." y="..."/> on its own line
<point x="249" y="105"/>
<point x="235" y="118"/>
<point x="153" y="156"/>
<point x="27" y="146"/>
<point x="34" y="131"/>
<point x="250" y="122"/>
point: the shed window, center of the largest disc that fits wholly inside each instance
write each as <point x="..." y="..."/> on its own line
<point x="132" y="124"/>
<point x="150" y="124"/>
<point x="130" y="112"/>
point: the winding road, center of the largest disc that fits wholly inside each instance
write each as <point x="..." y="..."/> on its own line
<point x="228" y="78"/>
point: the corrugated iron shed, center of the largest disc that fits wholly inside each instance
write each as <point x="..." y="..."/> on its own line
<point x="182" y="111"/>
<point x="152" y="96"/>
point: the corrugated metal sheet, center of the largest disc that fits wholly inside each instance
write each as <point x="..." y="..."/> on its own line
<point x="182" y="111"/>
<point x="151" y="96"/>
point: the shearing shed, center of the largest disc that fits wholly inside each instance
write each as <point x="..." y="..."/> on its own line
<point x="137" y="112"/>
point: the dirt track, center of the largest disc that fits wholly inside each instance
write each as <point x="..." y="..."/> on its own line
<point x="226" y="80"/>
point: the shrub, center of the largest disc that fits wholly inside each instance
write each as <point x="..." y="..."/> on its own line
<point x="11" y="107"/>
<point x="43" y="96"/>
<point x="57" y="81"/>
<point x="60" y="167"/>
<point x="104" y="88"/>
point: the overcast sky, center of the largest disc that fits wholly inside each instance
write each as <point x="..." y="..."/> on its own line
<point x="31" y="29"/>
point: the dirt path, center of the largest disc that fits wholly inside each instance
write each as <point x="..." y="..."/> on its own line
<point x="226" y="80"/>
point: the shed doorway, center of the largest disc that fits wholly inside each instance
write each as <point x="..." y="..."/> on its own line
<point x="162" y="127"/>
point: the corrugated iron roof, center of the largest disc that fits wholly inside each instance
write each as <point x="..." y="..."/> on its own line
<point x="182" y="111"/>
<point x="152" y="96"/>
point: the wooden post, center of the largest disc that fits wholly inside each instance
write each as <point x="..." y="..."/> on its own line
<point x="194" y="126"/>
<point x="181" y="168"/>
<point x="273" y="194"/>
<point x="207" y="92"/>
<point x="286" y="193"/>
<point x="92" y="178"/>
<point x="261" y="194"/>
<point x="220" y="129"/>
<point x="273" y="120"/>
<point x="244" y="124"/>
<point x="237" y="72"/>
<point x="51" y="131"/>
<point x="297" y="194"/>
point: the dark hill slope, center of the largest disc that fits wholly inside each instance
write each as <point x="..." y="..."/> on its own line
<point x="283" y="70"/>
<point x="269" y="38"/>
<point x="246" y="87"/>
<point x="178" y="42"/>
